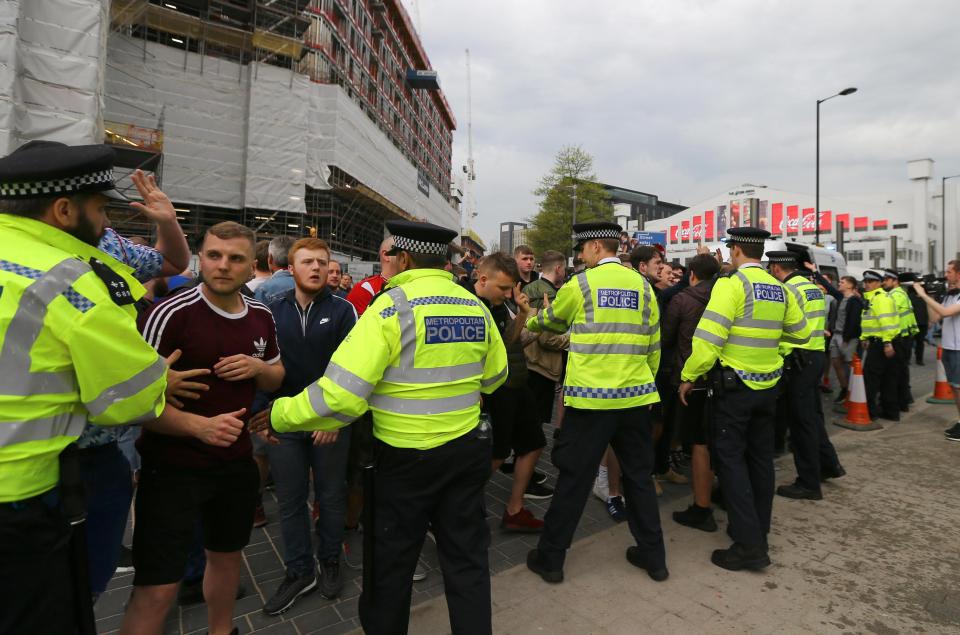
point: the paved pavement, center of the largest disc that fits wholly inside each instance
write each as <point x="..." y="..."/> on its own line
<point x="591" y="600"/>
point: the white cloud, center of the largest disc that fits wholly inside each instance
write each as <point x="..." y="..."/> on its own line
<point x="686" y="98"/>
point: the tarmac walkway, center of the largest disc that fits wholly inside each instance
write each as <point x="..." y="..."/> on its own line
<point x="877" y="555"/>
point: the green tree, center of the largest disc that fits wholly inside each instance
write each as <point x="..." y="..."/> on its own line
<point x="572" y="173"/>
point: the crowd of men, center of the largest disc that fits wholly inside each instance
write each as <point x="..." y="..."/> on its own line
<point x="128" y="381"/>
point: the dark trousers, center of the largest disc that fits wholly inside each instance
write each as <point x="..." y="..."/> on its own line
<point x="36" y="590"/>
<point x="919" y="342"/>
<point x="109" y="491"/>
<point x="880" y="380"/>
<point x="583" y="439"/>
<point x="442" y="487"/>
<point x="667" y="407"/>
<point x="903" y="345"/>
<point x="544" y="394"/>
<point x="812" y="449"/>
<point x="743" y="427"/>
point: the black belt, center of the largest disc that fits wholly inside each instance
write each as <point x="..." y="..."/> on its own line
<point x="50" y="499"/>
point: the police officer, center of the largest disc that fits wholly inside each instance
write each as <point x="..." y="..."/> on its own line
<point x="420" y="356"/>
<point x="736" y="347"/>
<point x="879" y="328"/>
<point x="614" y="325"/>
<point x="903" y="343"/>
<point x="813" y="454"/>
<point x="70" y="354"/>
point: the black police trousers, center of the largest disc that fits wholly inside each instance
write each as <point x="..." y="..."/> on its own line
<point x="444" y="487"/>
<point x="903" y="346"/>
<point x="36" y="588"/>
<point x="743" y="427"/>
<point x="577" y="453"/>
<point x="881" y="382"/>
<point x="812" y="449"/>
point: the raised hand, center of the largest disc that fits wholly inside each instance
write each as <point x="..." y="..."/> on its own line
<point x="156" y="205"/>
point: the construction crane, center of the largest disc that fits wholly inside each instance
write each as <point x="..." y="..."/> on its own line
<point x="471" y="211"/>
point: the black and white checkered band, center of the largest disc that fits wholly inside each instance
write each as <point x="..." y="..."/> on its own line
<point x="58" y="186"/>
<point x="419" y="246"/>
<point x="595" y="234"/>
<point x="746" y="239"/>
<point x="788" y="260"/>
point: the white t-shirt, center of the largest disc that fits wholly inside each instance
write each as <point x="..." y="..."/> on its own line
<point x="950" y="336"/>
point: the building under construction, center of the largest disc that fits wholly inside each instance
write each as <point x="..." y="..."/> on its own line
<point x="284" y="115"/>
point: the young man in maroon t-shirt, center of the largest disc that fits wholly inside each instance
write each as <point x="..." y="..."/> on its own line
<point x="183" y="480"/>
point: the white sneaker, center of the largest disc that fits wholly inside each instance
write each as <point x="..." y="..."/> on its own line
<point x="601" y="488"/>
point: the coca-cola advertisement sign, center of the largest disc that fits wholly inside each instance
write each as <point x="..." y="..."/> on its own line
<point x="673" y="234"/>
<point x="776" y="224"/>
<point x="708" y="224"/>
<point x="793" y="219"/>
<point x="685" y="231"/>
<point x="697" y="228"/>
<point x="809" y="220"/>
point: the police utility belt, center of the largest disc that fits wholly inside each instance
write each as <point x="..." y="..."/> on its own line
<point x="722" y="380"/>
<point x="797" y="360"/>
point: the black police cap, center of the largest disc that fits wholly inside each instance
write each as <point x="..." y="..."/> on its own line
<point x="582" y="232"/>
<point x="782" y="257"/>
<point x="419" y="238"/>
<point x="41" y="169"/>
<point x="747" y="235"/>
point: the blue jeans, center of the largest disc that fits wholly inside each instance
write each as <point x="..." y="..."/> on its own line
<point x="126" y="439"/>
<point x="109" y="492"/>
<point x="290" y="464"/>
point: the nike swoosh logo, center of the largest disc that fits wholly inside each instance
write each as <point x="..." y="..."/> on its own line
<point x="323" y="321"/>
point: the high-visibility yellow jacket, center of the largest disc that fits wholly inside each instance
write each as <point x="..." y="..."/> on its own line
<point x="68" y="353"/>
<point x="614" y="322"/>
<point x="810" y="299"/>
<point x="748" y="315"/>
<point x="908" y="321"/>
<point x="419" y="356"/>
<point x="879" y="318"/>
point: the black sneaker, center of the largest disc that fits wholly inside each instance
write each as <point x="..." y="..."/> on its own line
<point x="797" y="491"/>
<point x="738" y="557"/>
<point x="657" y="572"/>
<point x="841" y="397"/>
<point x="954" y="429"/>
<point x="535" y="564"/>
<point x="616" y="508"/>
<point x="125" y="562"/>
<point x="290" y="589"/>
<point x="954" y="436"/>
<point x="330" y="581"/>
<point x="537" y="491"/>
<point x="538" y="477"/>
<point x="697" y="517"/>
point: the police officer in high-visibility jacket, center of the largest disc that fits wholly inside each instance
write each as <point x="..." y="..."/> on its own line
<point x="903" y="343"/>
<point x="614" y="324"/>
<point x="70" y="353"/>
<point x="736" y="346"/>
<point x="813" y="454"/>
<point x="420" y="356"/>
<point x="879" y="328"/>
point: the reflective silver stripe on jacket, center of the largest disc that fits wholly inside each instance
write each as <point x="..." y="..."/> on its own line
<point x="587" y="296"/>
<point x="24" y="329"/>
<point x="436" y="406"/>
<point x="620" y="328"/>
<point x="65" y="424"/>
<point x="613" y="349"/>
<point x="319" y="405"/>
<point x="352" y="383"/>
<point x="127" y="388"/>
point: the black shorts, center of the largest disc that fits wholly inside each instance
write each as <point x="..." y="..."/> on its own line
<point x="691" y="419"/>
<point x="544" y="392"/>
<point x="516" y="426"/>
<point x="172" y="500"/>
<point x="362" y="448"/>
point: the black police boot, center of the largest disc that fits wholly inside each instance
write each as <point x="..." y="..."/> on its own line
<point x="697" y="517"/>
<point x="797" y="491"/>
<point x="535" y="564"/>
<point x="657" y="572"/>
<point x="832" y="472"/>
<point x="738" y="557"/>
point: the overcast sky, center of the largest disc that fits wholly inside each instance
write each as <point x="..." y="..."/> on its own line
<point x="685" y="99"/>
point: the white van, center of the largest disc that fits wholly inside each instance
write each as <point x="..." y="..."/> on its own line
<point x="827" y="261"/>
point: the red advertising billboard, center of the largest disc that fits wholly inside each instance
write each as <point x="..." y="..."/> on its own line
<point x="708" y="225"/>
<point x="880" y="224"/>
<point x="776" y="219"/>
<point x="793" y="219"/>
<point x="826" y="221"/>
<point x="808" y="220"/>
<point x="845" y="220"/>
<point x="697" y="228"/>
<point x="673" y="234"/>
<point x="860" y="223"/>
<point x="685" y="231"/>
<point x="734" y="214"/>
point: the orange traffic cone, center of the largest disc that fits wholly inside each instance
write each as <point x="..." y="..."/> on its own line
<point x="942" y="392"/>
<point x="858" y="415"/>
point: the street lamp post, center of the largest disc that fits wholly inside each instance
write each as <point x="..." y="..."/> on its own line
<point x="816" y="221"/>
<point x="943" y="220"/>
